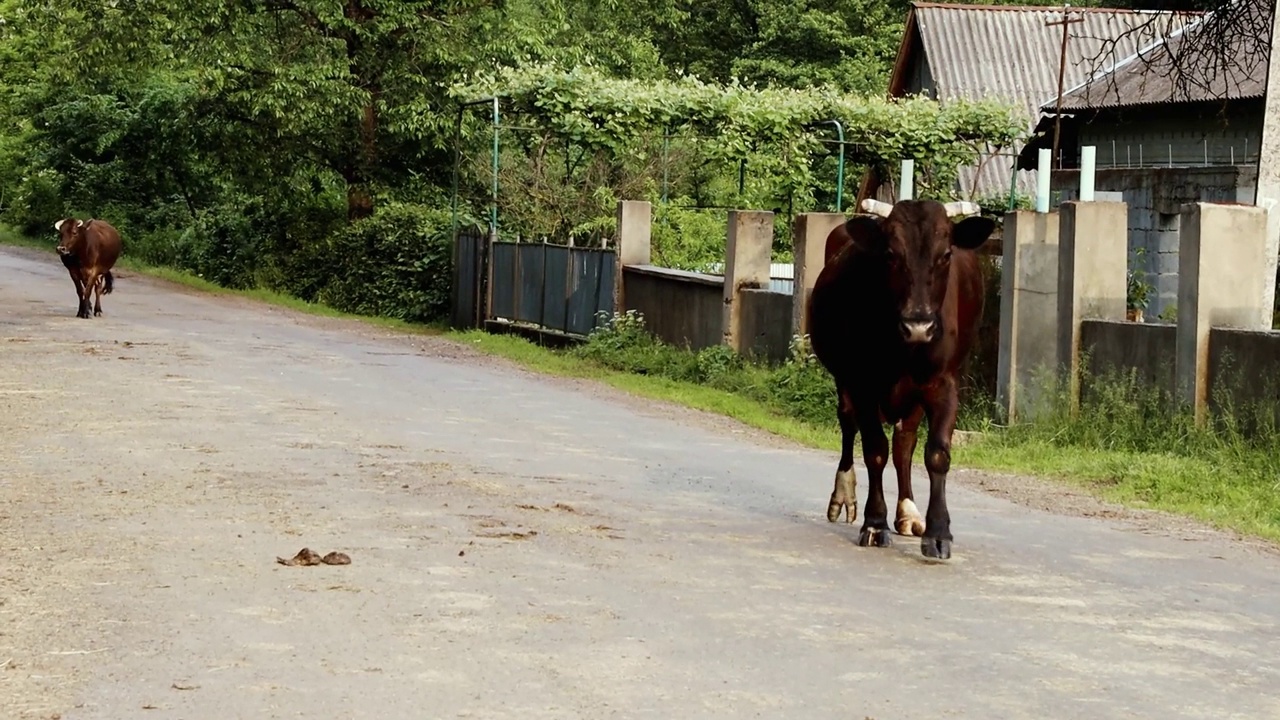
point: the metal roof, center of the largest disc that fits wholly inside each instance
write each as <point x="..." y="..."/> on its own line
<point x="1148" y="76"/>
<point x="1011" y="53"/>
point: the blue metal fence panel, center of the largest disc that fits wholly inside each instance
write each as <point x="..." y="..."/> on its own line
<point x="530" y="270"/>
<point x="604" y="295"/>
<point x="555" y="288"/>
<point x="586" y="279"/>
<point x="470" y="284"/>
<point x="502" y="264"/>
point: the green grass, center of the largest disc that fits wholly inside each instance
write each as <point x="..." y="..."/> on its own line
<point x="1133" y="448"/>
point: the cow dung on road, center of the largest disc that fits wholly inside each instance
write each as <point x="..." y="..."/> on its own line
<point x="307" y="556"/>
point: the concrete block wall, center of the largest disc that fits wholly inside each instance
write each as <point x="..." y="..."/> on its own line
<point x="697" y="311"/>
<point x="1155" y="196"/>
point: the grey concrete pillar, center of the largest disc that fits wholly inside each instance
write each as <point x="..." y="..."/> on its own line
<point x="809" y="234"/>
<point x="1223" y="275"/>
<point x="635" y="225"/>
<point x="746" y="265"/>
<point x="1028" y="312"/>
<point x="1093" y="261"/>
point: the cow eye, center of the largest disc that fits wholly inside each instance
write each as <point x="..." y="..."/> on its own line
<point x="944" y="257"/>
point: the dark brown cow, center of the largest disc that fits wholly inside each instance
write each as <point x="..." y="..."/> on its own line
<point x="892" y="317"/>
<point x="88" y="251"/>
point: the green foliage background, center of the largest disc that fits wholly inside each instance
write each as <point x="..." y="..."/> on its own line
<point x="307" y="146"/>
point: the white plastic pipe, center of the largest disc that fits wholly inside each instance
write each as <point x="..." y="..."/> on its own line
<point x="906" y="180"/>
<point x="1042" y="180"/>
<point x="1088" y="164"/>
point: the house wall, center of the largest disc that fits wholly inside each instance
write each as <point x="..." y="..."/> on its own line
<point x="1177" y="134"/>
<point x="1155" y="196"/>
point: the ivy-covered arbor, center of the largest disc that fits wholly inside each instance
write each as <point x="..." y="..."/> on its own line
<point x="762" y="147"/>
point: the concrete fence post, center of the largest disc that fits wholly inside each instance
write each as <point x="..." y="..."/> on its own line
<point x="1028" y="353"/>
<point x="746" y="265"/>
<point x="635" y="225"/>
<point x="1093" y="261"/>
<point x="809" y="234"/>
<point x="1223" y="274"/>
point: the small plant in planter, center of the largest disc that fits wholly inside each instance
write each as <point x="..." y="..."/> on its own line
<point x="1139" y="290"/>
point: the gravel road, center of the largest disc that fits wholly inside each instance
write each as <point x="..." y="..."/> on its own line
<point x="526" y="547"/>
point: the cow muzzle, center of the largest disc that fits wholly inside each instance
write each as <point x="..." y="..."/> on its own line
<point x="62" y="250"/>
<point x="918" y="328"/>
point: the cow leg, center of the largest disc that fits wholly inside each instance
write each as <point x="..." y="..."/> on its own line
<point x="90" y="280"/>
<point x="75" y="278"/>
<point x="908" y="520"/>
<point x="875" y="451"/>
<point x="845" y="495"/>
<point x="97" y="295"/>
<point x="941" y="406"/>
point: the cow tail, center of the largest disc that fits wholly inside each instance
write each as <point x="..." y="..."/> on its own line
<point x="108" y="282"/>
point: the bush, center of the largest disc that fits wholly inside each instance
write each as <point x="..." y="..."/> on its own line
<point x="686" y="238"/>
<point x="799" y="388"/>
<point x="397" y="263"/>
<point x="36" y="204"/>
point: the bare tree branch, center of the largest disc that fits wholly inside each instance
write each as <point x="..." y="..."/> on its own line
<point x="1194" y="50"/>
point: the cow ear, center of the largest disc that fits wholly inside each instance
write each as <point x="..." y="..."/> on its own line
<point x="867" y="232"/>
<point x="971" y="232"/>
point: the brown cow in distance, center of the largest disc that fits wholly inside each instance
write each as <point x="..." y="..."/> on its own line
<point x="88" y="251"/>
<point x="892" y="317"/>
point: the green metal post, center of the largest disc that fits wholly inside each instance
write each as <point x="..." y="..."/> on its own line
<point x="666" y="148"/>
<point x="839" y="166"/>
<point x="493" y="203"/>
<point x="457" y="163"/>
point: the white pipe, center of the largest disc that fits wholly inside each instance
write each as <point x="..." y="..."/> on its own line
<point x="906" y="191"/>
<point x="1088" y="157"/>
<point x="1042" y="180"/>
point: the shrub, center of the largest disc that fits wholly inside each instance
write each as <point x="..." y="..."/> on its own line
<point x="799" y="388"/>
<point x="686" y="238"/>
<point x="397" y="263"/>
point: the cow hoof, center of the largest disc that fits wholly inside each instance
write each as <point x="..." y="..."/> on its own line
<point x="844" y="497"/>
<point x="875" y="537"/>
<point x="97" y="313"/>
<point x="835" y="507"/>
<point x="908" y="521"/>
<point x="936" y="548"/>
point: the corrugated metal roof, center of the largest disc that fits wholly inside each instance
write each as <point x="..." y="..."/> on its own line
<point x="1011" y="53"/>
<point x="1148" y="76"/>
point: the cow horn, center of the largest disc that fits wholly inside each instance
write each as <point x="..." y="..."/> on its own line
<point x="962" y="207"/>
<point x="876" y="207"/>
<point x="58" y="225"/>
<point x="79" y="223"/>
